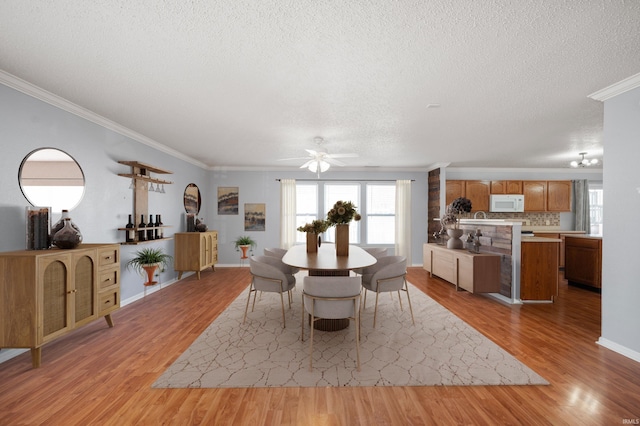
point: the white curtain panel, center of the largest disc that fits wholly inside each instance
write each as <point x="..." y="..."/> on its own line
<point x="581" y="210"/>
<point x="287" y="213"/>
<point x="403" y="219"/>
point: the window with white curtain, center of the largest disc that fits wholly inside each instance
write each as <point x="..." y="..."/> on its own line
<point x="345" y="192"/>
<point x="381" y="210"/>
<point x="306" y="207"/>
<point x="595" y="208"/>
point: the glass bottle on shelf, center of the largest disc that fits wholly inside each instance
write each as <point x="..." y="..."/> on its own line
<point x="131" y="233"/>
<point x="160" y="229"/>
<point x="150" y="228"/>
<point x="142" y="233"/>
<point x="156" y="232"/>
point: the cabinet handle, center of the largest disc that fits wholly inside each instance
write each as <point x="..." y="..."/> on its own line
<point x="108" y="257"/>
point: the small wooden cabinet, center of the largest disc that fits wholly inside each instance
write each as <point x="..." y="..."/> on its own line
<point x="195" y="251"/>
<point x="539" y="269"/>
<point x="474" y="272"/>
<point x="506" y="187"/>
<point x="477" y="191"/>
<point x="558" y="196"/>
<point x="46" y="293"/>
<point x="535" y="195"/>
<point x="455" y="189"/>
<point x="583" y="260"/>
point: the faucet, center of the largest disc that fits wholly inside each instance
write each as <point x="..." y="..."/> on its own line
<point x="475" y="216"/>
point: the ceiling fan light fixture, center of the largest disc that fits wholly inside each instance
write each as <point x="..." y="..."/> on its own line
<point x="583" y="162"/>
<point x="321" y="165"/>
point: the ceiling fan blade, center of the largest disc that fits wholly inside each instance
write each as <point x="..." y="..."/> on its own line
<point x="294" y="158"/>
<point x="341" y="155"/>
<point x="305" y="165"/>
<point x="312" y="152"/>
<point x="334" y="161"/>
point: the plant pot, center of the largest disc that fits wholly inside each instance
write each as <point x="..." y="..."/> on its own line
<point x="244" y="251"/>
<point x="342" y="240"/>
<point x="454" y="241"/>
<point x="150" y="270"/>
<point x="312" y="242"/>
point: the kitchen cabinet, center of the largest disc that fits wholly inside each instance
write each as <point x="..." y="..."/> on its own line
<point x="506" y="187"/>
<point x="474" y="272"/>
<point x="48" y="293"/>
<point x="539" y="264"/>
<point x="195" y="251"/>
<point x="583" y="260"/>
<point x="478" y="191"/>
<point x="535" y="195"/>
<point x="455" y="189"/>
<point x="558" y="196"/>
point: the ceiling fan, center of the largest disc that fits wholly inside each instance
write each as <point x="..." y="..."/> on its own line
<point x="319" y="161"/>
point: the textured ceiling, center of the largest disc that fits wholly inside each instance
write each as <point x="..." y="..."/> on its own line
<point x="238" y="83"/>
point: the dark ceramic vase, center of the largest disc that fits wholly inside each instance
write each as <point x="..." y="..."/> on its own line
<point x="68" y="237"/>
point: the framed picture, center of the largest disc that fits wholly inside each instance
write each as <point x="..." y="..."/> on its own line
<point x="227" y="200"/>
<point x="254" y="217"/>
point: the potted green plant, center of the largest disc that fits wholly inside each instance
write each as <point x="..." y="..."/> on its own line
<point x="148" y="260"/>
<point x="244" y="243"/>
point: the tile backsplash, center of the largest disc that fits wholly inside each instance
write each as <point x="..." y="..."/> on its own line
<point x="529" y="219"/>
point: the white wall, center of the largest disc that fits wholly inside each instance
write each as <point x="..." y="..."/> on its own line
<point x="621" y="252"/>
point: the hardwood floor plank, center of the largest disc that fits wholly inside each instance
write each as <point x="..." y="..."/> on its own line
<point x="100" y="375"/>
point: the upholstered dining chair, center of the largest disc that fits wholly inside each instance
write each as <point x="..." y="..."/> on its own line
<point x="376" y="252"/>
<point x="279" y="253"/>
<point x="268" y="275"/>
<point x="388" y="274"/>
<point x="331" y="298"/>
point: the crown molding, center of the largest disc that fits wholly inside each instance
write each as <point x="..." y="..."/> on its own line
<point x="617" y="88"/>
<point x="36" y="92"/>
<point x="565" y="170"/>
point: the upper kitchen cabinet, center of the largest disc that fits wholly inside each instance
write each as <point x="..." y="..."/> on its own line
<point x="477" y="191"/>
<point x="558" y="196"/>
<point x="506" y="187"/>
<point x="455" y="189"/>
<point x="535" y="195"/>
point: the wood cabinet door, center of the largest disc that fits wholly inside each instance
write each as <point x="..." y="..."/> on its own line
<point x="455" y="189"/>
<point x="539" y="271"/>
<point x="535" y="195"/>
<point x="477" y="191"/>
<point x="506" y="187"/>
<point x="559" y="196"/>
<point x="85" y="295"/>
<point x="54" y="287"/>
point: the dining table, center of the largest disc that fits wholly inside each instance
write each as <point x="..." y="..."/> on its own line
<point x="326" y="263"/>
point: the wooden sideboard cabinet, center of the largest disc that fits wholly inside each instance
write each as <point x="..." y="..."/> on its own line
<point x="44" y="294"/>
<point x="583" y="260"/>
<point x="474" y="272"/>
<point x="195" y="251"/>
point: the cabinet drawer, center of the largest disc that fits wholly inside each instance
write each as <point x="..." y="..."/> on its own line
<point x="465" y="273"/>
<point x="591" y="243"/>
<point x="443" y="266"/>
<point x="108" y="278"/>
<point x="108" y="301"/>
<point x="108" y="257"/>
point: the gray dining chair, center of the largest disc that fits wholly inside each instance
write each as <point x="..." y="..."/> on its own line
<point x="268" y="275"/>
<point x="279" y="253"/>
<point x="331" y="298"/>
<point x="388" y="274"/>
<point x="376" y="252"/>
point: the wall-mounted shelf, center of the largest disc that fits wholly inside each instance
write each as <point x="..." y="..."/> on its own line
<point x="141" y="175"/>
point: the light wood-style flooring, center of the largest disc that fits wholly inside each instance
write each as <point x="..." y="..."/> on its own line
<point x="97" y="375"/>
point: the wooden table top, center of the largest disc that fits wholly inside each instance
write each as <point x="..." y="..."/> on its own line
<point x="326" y="259"/>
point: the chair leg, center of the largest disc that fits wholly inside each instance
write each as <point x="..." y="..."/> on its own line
<point x="248" y="299"/>
<point x="356" y="314"/>
<point x="364" y="306"/>
<point x="406" y="288"/>
<point x="302" y="321"/>
<point x="311" y="338"/>
<point x="284" y="323"/>
<point x="375" y="311"/>
<point x="400" y="300"/>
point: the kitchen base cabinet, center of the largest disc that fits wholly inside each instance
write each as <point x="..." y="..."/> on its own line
<point x="44" y="294"/>
<point x="539" y="268"/>
<point x="474" y="272"/>
<point x="195" y="251"/>
<point x="583" y="261"/>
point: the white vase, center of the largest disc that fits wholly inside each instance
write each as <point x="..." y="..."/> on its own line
<point x="454" y="241"/>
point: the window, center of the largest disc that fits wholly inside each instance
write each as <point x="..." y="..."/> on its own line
<point x="381" y="209"/>
<point x="344" y="192"/>
<point x="595" y="208"/>
<point x="306" y="207"/>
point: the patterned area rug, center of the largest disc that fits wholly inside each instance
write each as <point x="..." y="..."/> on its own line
<point x="440" y="349"/>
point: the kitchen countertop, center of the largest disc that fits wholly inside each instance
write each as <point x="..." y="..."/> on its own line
<point x="540" y="240"/>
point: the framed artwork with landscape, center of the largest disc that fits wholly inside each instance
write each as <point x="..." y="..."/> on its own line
<point x="254" y="217"/>
<point x="227" y="200"/>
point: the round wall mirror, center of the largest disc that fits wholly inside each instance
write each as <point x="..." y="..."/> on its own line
<point x="192" y="199"/>
<point x="50" y="177"/>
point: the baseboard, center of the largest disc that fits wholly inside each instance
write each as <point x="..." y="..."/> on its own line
<point x="622" y="350"/>
<point x="7" y="354"/>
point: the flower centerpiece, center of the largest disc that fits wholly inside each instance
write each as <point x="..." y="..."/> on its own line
<point x="451" y="221"/>
<point x="339" y="216"/>
<point x="313" y="231"/>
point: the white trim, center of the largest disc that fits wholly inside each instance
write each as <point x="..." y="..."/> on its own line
<point x="623" y="350"/>
<point x="564" y="170"/>
<point x="616" y="89"/>
<point x="34" y="91"/>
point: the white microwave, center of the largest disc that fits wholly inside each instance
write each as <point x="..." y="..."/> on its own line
<point x="507" y="203"/>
